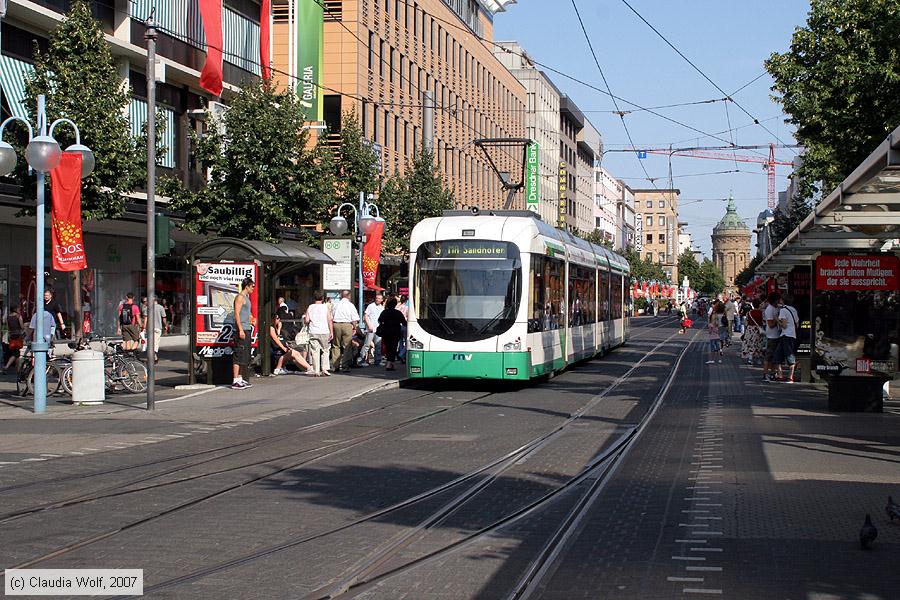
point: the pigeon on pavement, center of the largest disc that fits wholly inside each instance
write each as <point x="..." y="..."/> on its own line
<point x="892" y="509"/>
<point x="867" y="534"/>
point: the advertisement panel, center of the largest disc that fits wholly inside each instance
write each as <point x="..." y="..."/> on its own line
<point x="338" y="276"/>
<point x="310" y="50"/>
<point x="800" y="288"/>
<point x="532" y="178"/>
<point x="217" y="284"/>
<point x="856" y="316"/>
<point x="562" y="203"/>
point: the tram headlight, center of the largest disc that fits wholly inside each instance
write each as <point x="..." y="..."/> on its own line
<point x="415" y="344"/>
<point x="515" y="346"/>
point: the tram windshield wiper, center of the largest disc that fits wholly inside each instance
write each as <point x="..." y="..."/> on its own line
<point x="440" y="320"/>
<point x="494" y="319"/>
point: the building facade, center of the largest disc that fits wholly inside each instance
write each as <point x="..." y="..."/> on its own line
<point x="379" y="58"/>
<point x="608" y="194"/>
<point x="580" y="145"/>
<point x="541" y="120"/>
<point x="731" y="245"/>
<point x="657" y="212"/>
<point x="115" y="248"/>
<point x="625" y="219"/>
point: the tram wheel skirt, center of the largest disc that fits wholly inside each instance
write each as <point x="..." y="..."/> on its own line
<point x="469" y="365"/>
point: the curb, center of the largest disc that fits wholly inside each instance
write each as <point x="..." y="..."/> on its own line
<point x="387" y="385"/>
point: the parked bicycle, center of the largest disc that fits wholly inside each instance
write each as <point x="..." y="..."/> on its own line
<point x="120" y="368"/>
<point x="25" y="372"/>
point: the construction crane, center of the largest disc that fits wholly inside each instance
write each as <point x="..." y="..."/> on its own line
<point x="716" y="154"/>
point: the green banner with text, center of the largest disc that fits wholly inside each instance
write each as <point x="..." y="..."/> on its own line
<point x="310" y="50"/>
<point x="532" y="178"/>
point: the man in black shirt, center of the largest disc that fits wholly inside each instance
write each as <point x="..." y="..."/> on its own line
<point x="52" y="307"/>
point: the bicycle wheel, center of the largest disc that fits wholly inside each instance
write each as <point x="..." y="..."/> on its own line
<point x="66" y="379"/>
<point x="134" y="376"/>
<point x="54" y="380"/>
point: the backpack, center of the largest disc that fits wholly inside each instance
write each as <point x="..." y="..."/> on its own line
<point x="126" y="317"/>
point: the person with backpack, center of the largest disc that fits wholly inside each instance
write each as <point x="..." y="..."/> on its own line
<point x="788" y="324"/>
<point x="129" y="323"/>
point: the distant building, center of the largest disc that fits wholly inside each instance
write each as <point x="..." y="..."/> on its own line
<point x="625" y="219"/>
<point x="656" y="220"/>
<point x="685" y="240"/>
<point x="731" y="245"/>
<point x="608" y="194"/>
<point x="580" y="145"/>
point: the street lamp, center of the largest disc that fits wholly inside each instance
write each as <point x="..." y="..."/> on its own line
<point x="364" y="224"/>
<point x="43" y="154"/>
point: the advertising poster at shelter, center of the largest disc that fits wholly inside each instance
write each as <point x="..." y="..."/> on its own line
<point x="856" y="316"/>
<point x="217" y="285"/>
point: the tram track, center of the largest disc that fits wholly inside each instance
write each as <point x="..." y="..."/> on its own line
<point x="477" y="480"/>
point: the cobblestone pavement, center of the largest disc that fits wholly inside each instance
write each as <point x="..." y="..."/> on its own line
<point x="737" y="489"/>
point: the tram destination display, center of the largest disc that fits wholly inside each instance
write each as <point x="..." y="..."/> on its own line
<point x="467" y="249"/>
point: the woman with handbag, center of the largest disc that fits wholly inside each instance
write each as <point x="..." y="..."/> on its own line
<point x="321" y="331"/>
<point x="281" y="351"/>
<point x="390" y="327"/>
<point x="752" y="348"/>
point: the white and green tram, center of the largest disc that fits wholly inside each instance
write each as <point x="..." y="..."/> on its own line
<point x="504" y="295"/>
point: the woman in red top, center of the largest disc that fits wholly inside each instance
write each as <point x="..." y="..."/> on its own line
<point x="752" y="348"/>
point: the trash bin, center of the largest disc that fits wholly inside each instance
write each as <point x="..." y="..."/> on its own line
<point x="88" y="378"/>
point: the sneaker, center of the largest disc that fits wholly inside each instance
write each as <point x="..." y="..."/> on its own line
<point x="246" y="383"/>
<point x="240" y="385"/>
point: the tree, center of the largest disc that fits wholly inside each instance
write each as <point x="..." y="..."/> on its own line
<point x="785" y="222"/>
<point x="840" y="84"/>
<point x="711" y="281"/>
<point x="264" y="174"/>
<point x="357" y="170"/>
<point x="643" y="268"/>
<point x="80" y="80"/>
<point x="689" y="267"/>
<point x="405" y="200"/>
<point x="599" y="238"/>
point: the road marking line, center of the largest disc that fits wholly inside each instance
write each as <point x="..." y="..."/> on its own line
<point x="52" y="455"/>
<point x="695" y="498"/>
<point x="91" y="449"/>
<point x="695" y="511"/>
<point x="701" y="591"/>
<point x="33" y="459"/>
<point x="711" y="518"/>
<point x="690" y="541"/>
<point x="688" y="558"/>
<point x="186" y="396"/>
<point x="685" y="579"/>
<point x="706" y="549"/>
<point x="706" y="533"/>
<point x="709" y="504"/>
<point x="716" y="569"/>
<point x="693" y="524"/>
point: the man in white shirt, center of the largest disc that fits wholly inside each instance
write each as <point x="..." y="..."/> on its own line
<point x="788" y="323"/>
<point x="730" y="310"/>
<point x="346" y="319"/>
<point x="48" y="325"/>
<point x="373" y="311"/>
<point x="770" y="316"/>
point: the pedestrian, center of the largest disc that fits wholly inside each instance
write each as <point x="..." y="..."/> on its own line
<point x="770" y="316"/>
<point x="390" y="324"/>
<point x="715" y="343"/>
<point x="346" y="319"/>
<point x="48" y="325"/>
<point x="321" y="332"/>
<point x="359" y="348"/>
<point x="370" y="316"/>
<point x="730" y="312"/>
<point x="403" y="307"/>
<point x="16" y="328"/>
<point x="788" y="324"/>
<point x="752" y="349"/>
<point x="244" y="322"/>
<point x="280" y="349"/>
<point x="159" y="324"/>
<point x="52" y="307"/>
<point x="129" y="323"/>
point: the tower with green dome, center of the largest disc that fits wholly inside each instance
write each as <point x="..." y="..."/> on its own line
<point x="731" y="245"/>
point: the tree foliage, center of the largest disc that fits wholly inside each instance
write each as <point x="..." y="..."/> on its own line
<point x="407" y="199"/>
<point x="80" y="80"/>
<point x="689" y="267"/>
<point x="711" y="281"/>
<point x="840" y="84"/>
<point x="599" y="238"/>
<point x="643" y="268"/>
<point x="264" y="174"/>
<point x="785" y="222"/>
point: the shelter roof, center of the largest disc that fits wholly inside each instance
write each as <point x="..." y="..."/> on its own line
<point x="284" y="252"/>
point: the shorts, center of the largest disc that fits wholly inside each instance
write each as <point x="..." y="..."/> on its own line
<point x="771" y="348"/>
<point x="131" y="333"/>
<point x="241" y="353"/>
<point x="785" y="350"/>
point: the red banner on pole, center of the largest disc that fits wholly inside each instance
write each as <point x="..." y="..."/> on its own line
<point x="372" y="255"/>
<point x="211" y="76"/>
<point x="66" y="234"/>
<point x="265" y="19"/>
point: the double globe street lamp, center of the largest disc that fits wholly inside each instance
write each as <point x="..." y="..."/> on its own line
<point x="364" y="222"/>
<point x="42" y="154"/>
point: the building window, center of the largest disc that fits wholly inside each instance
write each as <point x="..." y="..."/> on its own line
<point x="649" y="221"/>
<point x="662" y="203"/>
<point x="662" y="238"/>
<point x="649" y="238"/>
<point x="649" y="203"/>
<point x="661" y="220"/>
<point x="381" y="60"/>
<point x="371" y="50"/>
<point x="662" y="257"/>
<point x="650" y="256"/>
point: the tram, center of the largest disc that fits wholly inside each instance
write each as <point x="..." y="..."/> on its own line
<point x="503" y="295"/>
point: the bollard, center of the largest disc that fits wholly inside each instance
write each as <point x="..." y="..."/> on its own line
<point x="88" y="377"/>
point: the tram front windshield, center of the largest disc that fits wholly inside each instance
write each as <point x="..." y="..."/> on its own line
<point x="467" y="290"/>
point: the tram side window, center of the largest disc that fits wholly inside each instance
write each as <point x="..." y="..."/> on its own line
<point x="581" y="295"/>
<point x="547" y="294"/>
<point x="603" y="312"/>
<point x="616" y="293"/>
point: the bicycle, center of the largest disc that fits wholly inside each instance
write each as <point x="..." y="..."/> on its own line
<point x="25" y="373"/>
<point x="118" y="367"/>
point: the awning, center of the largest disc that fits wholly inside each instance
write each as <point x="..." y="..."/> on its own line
<point x="861" y="215"/>
<point x="284" y="252"/>
<point x="12" y="81"/>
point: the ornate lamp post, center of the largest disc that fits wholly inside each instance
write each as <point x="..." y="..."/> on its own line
<point x="364" y="223"/>
<point x="43" y="154"/>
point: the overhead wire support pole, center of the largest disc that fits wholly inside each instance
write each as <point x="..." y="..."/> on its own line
<point x="150" y="324"/>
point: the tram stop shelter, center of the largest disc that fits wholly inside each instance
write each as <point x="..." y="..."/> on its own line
<point x="218" y="266"/>
<point x="842" y="268"/>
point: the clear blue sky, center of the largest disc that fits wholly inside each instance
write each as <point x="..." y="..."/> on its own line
<point x="728" y="40"/>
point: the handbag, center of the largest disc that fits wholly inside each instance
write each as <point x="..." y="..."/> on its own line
<point x="302" y="337"/>
<point x="379" y="331"/>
